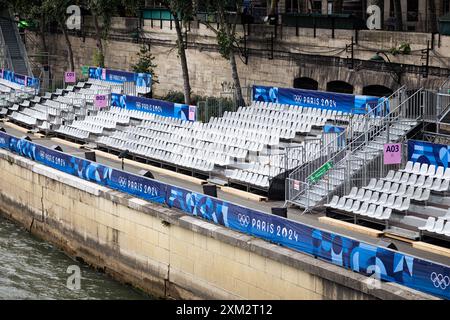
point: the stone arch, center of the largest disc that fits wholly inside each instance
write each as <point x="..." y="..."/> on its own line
<point x="306" y="83"/>
<point x="340" y="86"/>
<point x="377" y="90"/>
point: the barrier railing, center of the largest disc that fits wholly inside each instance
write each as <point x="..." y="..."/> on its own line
<point x="348" y="164"/>
<point x="388" y="265"/>
<point x="336" y="149"/>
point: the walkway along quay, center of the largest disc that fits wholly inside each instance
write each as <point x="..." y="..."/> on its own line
<point x="164" y="251"/>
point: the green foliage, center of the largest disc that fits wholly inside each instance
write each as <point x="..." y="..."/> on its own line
<point x="225" y="42"/>
<point x="98" y="60"/>
<point x="145" y="63"/>
<point x="404" y="48"/>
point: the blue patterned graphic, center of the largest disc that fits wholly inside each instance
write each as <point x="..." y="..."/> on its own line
<point x="20" y="79"/>
<point x="118" y="76"/>
<point x="316" y="99"/>
<point x="429" y="153"/>
<point x="366" y="259"/>
<point x="160" y="107"/>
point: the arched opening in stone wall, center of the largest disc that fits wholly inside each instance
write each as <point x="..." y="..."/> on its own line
<point x="340" y="86"/>
<point x="377" y="90"/>
<point x="306" y="83"/>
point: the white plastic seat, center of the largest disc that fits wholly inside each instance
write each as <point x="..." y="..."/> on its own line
<point x="438" y="226"/>
<point x="446" y="228"/>
<point x="372" y="183"/>
<point x="355" y="207"/>
<point x="383" y="199"/>
<point x="429" y="225"/>
<point x="408" y="167"/>
<point x="423" y="169"/>
<point x="367" y="195"/>
<point x="431" y="170"/>
<point x="447" y="174"/>
<point x="360" y="194"/>
<point x="348" y="205"/>
<point x="444" y="185"/>
<point x="390" y="175"/>
<point x="377" y="213"/>
<point x="352" y="193"/>
<point x="439" y="172"/>
<point x="405" y="205"/>
<point x="334" y="201"/>
<point x="370" y="211"/>
<point x="363" y="209"/>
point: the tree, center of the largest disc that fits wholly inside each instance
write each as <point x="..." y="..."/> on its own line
<point x="398" y="15"/>
<point x="102" y="10"/>
<point x="226" y="37"/>
<point x="145" y="63"/>
<point x="433" y="20"/>
<point x="56" y="12"/>
<point x="182" y="11"/>
<point x="338" y="6"/>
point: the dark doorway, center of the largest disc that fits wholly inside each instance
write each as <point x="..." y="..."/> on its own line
<point x="340" y="86"/>
<point x="377" y="91"/>
<point x="306" y="83"/>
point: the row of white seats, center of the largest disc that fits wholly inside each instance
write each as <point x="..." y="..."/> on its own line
<point x="439" y="226"/>
<point x="365" y="194"/>
<point x="255" y="179"/>
<point x="424" y="170"/>
<point x="181" y="158"/>
<point x="23" y="118"/>
<point x="86" y="126"/>
<point x="371" y="210"/>
<point x="73" y="132"/>
<point x="411" y="179"/>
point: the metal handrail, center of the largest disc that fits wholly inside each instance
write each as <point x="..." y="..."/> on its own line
<point x="394" y="115"/>
<point x="7" y="55"/>
<point x="23" y="51"/>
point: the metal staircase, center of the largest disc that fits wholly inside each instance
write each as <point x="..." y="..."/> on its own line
<point x="353" y="163"/>
<point x="16" y="49"/>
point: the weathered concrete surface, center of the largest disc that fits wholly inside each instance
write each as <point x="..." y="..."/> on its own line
<point x="210" y="74"/>
<point x="161" y="250"/>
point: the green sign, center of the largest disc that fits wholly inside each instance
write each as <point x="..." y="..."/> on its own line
<point x="85" y="71"/>
<point x="319" y="173"/>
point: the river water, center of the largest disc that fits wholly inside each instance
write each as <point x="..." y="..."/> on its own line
<point x="33" y="269"/>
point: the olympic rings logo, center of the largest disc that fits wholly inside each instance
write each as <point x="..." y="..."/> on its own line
<point x="243" y="220"/>
<point x="122" y="181"/>
<point x="440" y="281"/>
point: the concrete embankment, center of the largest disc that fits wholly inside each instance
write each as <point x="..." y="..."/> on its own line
<point x="163" y="251"/>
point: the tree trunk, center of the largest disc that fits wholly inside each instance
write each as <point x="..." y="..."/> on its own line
<point x="183" y="60"/>
<point x="337" y="6"/>
<point x="433" y="19"/>
<point x="273" y="7"/>
<point x="236" y="80"/>
<point x="398" y="15"/>
<point x="234" y="71"/>
<point x="44" y="60"/>
<point x="98" y="37"/>
<point x="69" y="47"/>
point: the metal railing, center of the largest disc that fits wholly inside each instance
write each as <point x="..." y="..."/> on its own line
<point x="6" y="61"/>
<point x="355" y="161"/>
<point x="21" y="45"/>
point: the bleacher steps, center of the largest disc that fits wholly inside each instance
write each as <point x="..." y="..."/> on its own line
<point x="401" y="234"/>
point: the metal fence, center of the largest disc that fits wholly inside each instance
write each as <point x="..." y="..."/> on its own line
<point x="353" y="163"/>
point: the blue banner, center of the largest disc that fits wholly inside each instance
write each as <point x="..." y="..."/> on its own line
<point x="367" y="259"/>
<point x="315" y="99"/>
<point x="117" y="76"/>
<point x="19" y="79"/>
<point x="429" y="153"/>
<point x="160" y="107"/>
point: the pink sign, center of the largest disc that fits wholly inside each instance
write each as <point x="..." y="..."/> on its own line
<point x="393" y="153"/>
<point x="101" y="101"/>
<point x="192" y="113"/>
<point x="70" y="77"/>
